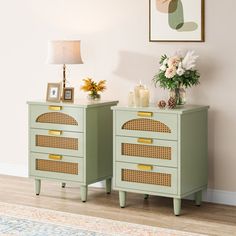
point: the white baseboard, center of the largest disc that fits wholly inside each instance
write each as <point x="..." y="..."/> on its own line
<point x="13" y="169"/>
<point x="99" y="184"/>
<point x="220" y="196"/>
<point x="210" y="195"/>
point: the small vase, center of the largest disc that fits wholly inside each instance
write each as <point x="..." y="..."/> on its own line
<point x="179" y="94"/>
<point x="94" y="96"/>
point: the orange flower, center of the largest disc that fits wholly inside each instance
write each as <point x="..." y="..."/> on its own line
<point x="91" y="86"/>
<point x="101" y="86"/>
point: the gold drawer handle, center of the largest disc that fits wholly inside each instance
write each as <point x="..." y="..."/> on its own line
<point x="145" y="114"/>
<point x="55" y="108"/>
<point x="55" y="132"/>
<point x="145" y="140"/>
<point x="55" y="157"/>
<point x="145" y="167"/>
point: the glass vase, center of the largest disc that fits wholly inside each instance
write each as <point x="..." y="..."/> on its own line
<point x="94" y="96"/>
<point x="179" y="94"/>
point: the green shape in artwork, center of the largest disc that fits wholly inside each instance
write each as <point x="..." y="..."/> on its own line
<point x="188" y="27"/>
<point x="176" y="18"/>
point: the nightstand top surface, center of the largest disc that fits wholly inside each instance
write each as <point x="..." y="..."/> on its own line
<point x="78" y="103"/>
<point x="178" y="110"/>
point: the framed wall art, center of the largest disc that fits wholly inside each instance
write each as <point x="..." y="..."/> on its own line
<point x="54" y="92"/>
<point x="176" y="20"/>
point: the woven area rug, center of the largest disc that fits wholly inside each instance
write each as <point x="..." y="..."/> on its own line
<point x="30" y="221"/>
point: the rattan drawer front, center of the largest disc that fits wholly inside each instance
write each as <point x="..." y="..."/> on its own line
<point x="56" y="166"/>
<point x="66" y="168"/>
<point x="147" y="151"/>
<point x="57" y="142"/>
<point x="159" y="152"/>
<point x="57" y="117"/>
<point x="66" y="143"/>
<point x="145" y="177"/>
<point x="154" y="125"/>
<point x="157" y="179"/>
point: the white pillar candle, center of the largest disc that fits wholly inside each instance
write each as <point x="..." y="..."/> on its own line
<point x="131" y="102"/>
<point x="137" y="94"/>
<point x="144" y="97"/>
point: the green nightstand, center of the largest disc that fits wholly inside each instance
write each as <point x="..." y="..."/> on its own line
<point x="160" y="152"/>
<point x="71" y="143"/>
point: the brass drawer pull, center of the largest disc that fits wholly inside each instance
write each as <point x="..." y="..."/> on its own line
<point x="145" y="167"/>
<point x="145" y="140"/>
<point x="55" y="108"/>
<point x="55" y="132"/>
<point x="145" y="114"/>
<point x="55" y="157"/>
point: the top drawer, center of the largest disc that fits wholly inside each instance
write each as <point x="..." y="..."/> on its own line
<point x="57" y="117"/>
<point x="146" y="124"/>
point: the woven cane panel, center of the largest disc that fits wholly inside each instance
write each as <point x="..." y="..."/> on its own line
<point x="139" y="150"/>
<point x="56" y="142"/>
<point x="56" y="118"/>
<point x="145" y="177"/>
<point x="56" y="166"/>
<point x="146" y="125"/>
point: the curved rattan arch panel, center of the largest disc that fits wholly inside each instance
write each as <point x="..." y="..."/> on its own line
<point x="146" y="125"/>
<point x="56" y="118"/>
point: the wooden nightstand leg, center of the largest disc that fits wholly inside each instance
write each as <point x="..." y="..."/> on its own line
<point x="122" y="198"/>
<point x="37" y="186"/>
<point x="198" y="198"/>
<point x="177" y="206"/>
<point x="108" y="186"/>
<point x="63" y="185"/>
<point x="146" y="196"/>
<point x="83" y="193"/>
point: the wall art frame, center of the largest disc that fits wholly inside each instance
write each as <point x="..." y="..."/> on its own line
<point x="177" y="20"/>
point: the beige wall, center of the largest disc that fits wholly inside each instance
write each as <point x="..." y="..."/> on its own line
<point x="116" y="48"/>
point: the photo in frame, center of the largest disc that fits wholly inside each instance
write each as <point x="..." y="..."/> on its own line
<point x="53" y="92"/>
<point x="68" y="95"/>
<point x="176" y="21"/>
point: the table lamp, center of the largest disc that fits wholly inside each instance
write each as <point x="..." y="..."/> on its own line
<point x="64" y="52"/>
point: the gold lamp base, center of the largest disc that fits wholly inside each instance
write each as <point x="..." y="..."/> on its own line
<point x="64" y="76"/>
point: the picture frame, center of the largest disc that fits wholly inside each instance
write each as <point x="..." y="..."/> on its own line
<point x="53" y="92"/>
<point x="177" y="20"/>
<point x="68" y="95"/>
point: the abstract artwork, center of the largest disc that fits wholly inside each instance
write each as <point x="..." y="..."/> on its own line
<point x="176" y="20"/>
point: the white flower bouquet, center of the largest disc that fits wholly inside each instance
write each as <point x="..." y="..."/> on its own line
<point x="177" y="71"/>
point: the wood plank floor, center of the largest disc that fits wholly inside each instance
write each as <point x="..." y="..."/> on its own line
<point x="212" y="219"/>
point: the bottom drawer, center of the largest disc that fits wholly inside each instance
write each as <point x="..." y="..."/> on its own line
<point x="57" y="167"/>
<point x="146" y="178"/>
